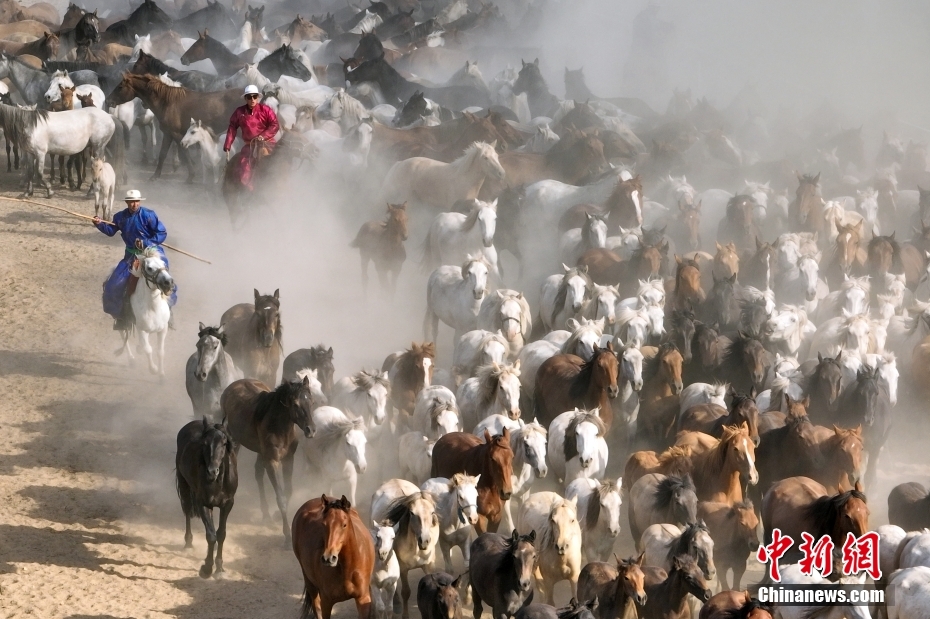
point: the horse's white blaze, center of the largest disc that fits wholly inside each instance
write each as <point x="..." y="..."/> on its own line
<point x="377" y="402"/>
<point x="384" y="541"/>
<point x="639" y="207"/>
<point x="577" y="290"/>
<point x="586" y="442"/>
<point x="427" y="362"/>
<point x="753" y="473"/>
<point x="356" y="443"/>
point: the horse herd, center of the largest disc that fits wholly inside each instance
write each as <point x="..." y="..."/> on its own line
<point x="722" y="362"/>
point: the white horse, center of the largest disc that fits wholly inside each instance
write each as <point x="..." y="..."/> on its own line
<point x="543" y="139"/>
<point x="599" y="511"/>
<point x="495" y="390"/>
<point x="528" y="443"/>
<point x="209" y="371"/>
<point x="853" y="296"/>
<point x="436" y="412"/>
<point x="386" y="572"/>
<point x="563" y="296"/>
<point x="364" y="394"/>
<point x="651" y="292"/>
<point x="789" y="328"/>
<point x="555" y="521"/>
<point x="61" y="79"/>
<point x="337" y="450"/>
<point x="457" y="508"/>
<point x="586" y="455"/>
<point x="477" y="348"/>
<point x="575" y="242"/>
<point x="344" y="109"/>
<point x="630" y="381"/>
<point x="887" y="366"/>
<point x="368" y="23"/>
<point x="150" y="309"/>
<point x="634" y="326"/>
<point x="416" y="456"/>
<point x="800" y="283"/>
<point x="249" y="74"/>
<point x="135" y="114"/>
<point x="343" y="158"/>
<point x="211" y="151"/>
<point x="602" y="304"/>
<point x="454" y="296"/>
<point x="702" y="393"/>
<point x="315" y="386"/>
<point x="453" y="236"/>
<point x="507" y="311"/>
<point x="57" y="133"/>
<point x="104" y="186"/>
<point x="549" y="199"/>
<point x="440" y="185"/>
<point x="791" y="575"/>
<point x="911" y="588"/>
<point x="496" y="424"/>
<point x="850" y="332"/>
<point x="626" y="243"/>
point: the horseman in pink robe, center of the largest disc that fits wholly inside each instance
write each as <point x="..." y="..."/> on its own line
<point x="259" y="126"/>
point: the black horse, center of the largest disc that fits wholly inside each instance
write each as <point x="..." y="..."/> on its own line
<point x="207" y="477"/>
<point x="501" y="572"/>
<point x="868" y="402"/>
<point x="147" y="19"/>
<point x="284" y="61"/>
<point x="530" y="80"/>
<point x="214" y="17"/>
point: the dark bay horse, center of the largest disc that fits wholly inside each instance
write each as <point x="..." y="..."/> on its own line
<point x="805" y="213"/>
<point x="745" y="363"/>
<point x="867" y="402"/>
<point x="909" y="506"/>
<point x="530" y="80"/>
<point x="738" y="225"/>
<point x="265" y="421"/>
<point x="336" y="555"/>
<point x="208" y="48"/>
<point x="382" y="242"/>
<point x="254" y="335"/>
<point x="711" y="418"/>
<point x="492" y="458"/>
<point x="438" y="596"/>
<point x="319" y="358"/>
<point x="207" y="477"/>
<point x="790" y="450"/>
<point x="501" y="572"/>
<point x="668" y="592"/>
<point x="885" y="255"/>
<point x="617" y="588"/>
<point x="800" y="504"/>
<point x="735" y="604"/>
<point x="409" y="372"/>
<point x="565" y="382"/>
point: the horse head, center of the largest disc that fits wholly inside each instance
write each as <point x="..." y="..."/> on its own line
<point x="500" y="462"/>
<point x="267" y="317"/>
<point x="337" y="521"/>
<point x="217" y="446"/>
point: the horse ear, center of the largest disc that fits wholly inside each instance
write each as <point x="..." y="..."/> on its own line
<point x="819" y="358"/>
<point x="206" y="423"/>
<point x="806" y="402"/>
<point x="506" y="435"/>
<point x="752" y="392"/>
<point x="566" y="268"/>
<point x="639" y="559"/>
<point x="457" y="581"/>
<point x="610" y="346"/>
<point x="532" y="536"/>
<point x="787" y="400"/>
<point x="487" y="436"/>
<point x="276" y="291"/>
<point x="858" y="486"/>
<point x="202" y="326"/>
<point x="514" y="537"/>
<point x="255" y="290"/>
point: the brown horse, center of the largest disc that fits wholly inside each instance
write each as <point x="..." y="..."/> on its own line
<point x="733" y="527"/>
<point x="254" y="337"/>
<point x="842" y="453"/>
<point x="658" y="399"/>
<point x="735" y="605"/>
<point x="847" y="257"/>
<point x="619" y="589"/>
<point x="336" y="555"/>
<point x="606" y="268"/>
<point x="788" y="450"/>
<point x="43" y="48"/>
<point x="800" y="504"/>
<point x="805" y="213"/>
<point x="668" y="591"/>
<point x="492" y="458"/>
<point x="265" y="421"/>
<point x="909" y="506"/>
<point x="409" y="372"/>
<point x="718" y="471"/>
<point x="174" y="107"/>
<point x="885" y="255"/>
<point x="566" y="382"/>
<point x="382" y="242"/>
<point x="625" y="205"/>
<point x="757" y="266"/>
<point x="687" y="293"/>
<point x="711" y="418"/>
<point x="738" y="225"/>
<point x="673" y="461"/>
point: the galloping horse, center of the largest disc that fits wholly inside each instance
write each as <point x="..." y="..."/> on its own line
<point x="336" y="555"/>
<point x="564" y="382"/>
<point x="254" y="336"/>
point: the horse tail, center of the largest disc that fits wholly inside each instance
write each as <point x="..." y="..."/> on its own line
<point x="307" y="610"/>
<point x="184" y="494"/>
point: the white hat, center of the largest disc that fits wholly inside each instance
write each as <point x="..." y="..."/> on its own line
<point x="251" y="89"/>
<point x="133" y="194"/>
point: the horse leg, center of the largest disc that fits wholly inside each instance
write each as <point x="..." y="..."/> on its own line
<point x="311" y="605"/>
<point x="446" y="549"/>
<point x="206" y="514"/>
<point x="326" y="608"/>
<point x="9" y="162"/>
<point x="430" y="325"/>
<point x="363" y="602"/>
<point x="476" y="602"/>
<point x="147" y="349"/>
<point x="221" y="537"/>
<point x="184" y="493"/>
<point x="260" y="480"/>
<point x="187" y="160"/>
<point x="405" y="592"/>
<point x="287" y="466"/>
<point x="273" y="468"/>
<point x="160" y="350"/>
<point x="162" y="153"/>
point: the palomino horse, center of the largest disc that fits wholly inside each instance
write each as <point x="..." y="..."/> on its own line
<point x="150" y="310"/>
<point x="806" y="211"/>
<point x="799" y="504"/>
<point x="207" y="477"/>
<point x="409" y="372"/>
<point x="658" y="399"/>
<point x="720" y="466"/>
<point x="617" y="587"/>
<point x="382" y="242"/>
<point x="556" y="522"/>
<point x="265" y="421"/>
<point x="733" y="529"/>
<point x="441" y="185"/>
<point x="254" y="335"/>
<point x="491" y="458"/>
<point x="209" y="371"/>
<point x="564" y="382"/>
<point x="501" y="572"/>
<point x="336" y="555"/>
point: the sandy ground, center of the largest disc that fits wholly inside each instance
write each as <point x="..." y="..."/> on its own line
<point x="90" y="525"/>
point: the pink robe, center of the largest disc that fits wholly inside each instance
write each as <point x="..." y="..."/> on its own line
<point x="261" y="122"/>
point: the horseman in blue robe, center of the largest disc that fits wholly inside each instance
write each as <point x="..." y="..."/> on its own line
<point x="139" y="228"/>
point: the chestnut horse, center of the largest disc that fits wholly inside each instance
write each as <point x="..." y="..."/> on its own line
<point x="254" y="336"/>
<point x="565" y="382"/>
<point x="800" y="504"/>
<point x="409" y="372"/>
<point x="617" y="588"/>
<point x="658" y="399"/>
<point x="733" y="528"/>
<point x="382" y="242"/>
<point x="688" y="293"/>
<point x="336" y="555"/>
<point x="673" y="461"/>
<point x="806" y="211"/>
<point x="718" y="471"/>
<point x="491" y="458"/>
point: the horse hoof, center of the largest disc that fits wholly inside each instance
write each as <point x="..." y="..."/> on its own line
<point x="219" y="574"/>
<point x="154" y="177"/>
<point x="205" y="571"/>
<point x="188" y="545"/>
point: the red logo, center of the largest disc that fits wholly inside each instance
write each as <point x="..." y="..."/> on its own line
<point x="861" y="555"/>
<point x="773" y="552"/>
<point x="817" y="556"/>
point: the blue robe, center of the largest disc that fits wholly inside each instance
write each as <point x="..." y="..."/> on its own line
<point x="144" y="225"/>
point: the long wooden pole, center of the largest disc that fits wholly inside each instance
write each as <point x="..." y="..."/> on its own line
<point x="82" y="216"/>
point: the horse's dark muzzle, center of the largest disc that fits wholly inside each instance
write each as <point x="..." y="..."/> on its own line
<point x="613" y="391"/>
<point x="309" y="432"/>
<point x="641" y="599"/>
<point x="505" y="496"/>
<point x="707" y="594"/>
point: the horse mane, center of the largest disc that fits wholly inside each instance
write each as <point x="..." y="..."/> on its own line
<point x="406" y="362"/>
<point x="267" y="298"/>
<point x="489" y="379"/>
<point x="736" y="201"/>
<point x="467" y="159"/>
<point x="824" y="511"/>
<point x="808" y="382"/>
<point x="574" y="609"/>
<point x="365" y="380"/>
<point x="746" y="609"/>
<point x="562" y="291"/>
<point x="651" y="366"/>
<point x="739" y="398"/>
<point x="680" y="316"/>
<point x="717" y="456"/>
<point x="171" y="94"/>
<point x="437" y="406"/>
<point x="583" y="379"/>
<point x="213" y="332"/>
<point x="593" y="511"/>
<point x="576" y="335"/>
<point x="681" y="545"/>
<point x="340" y="427"/>
<point x="460" y="479"/>
<point x="399" y="510"/>
<point x="733" y="355"/>
<point x="267" y="400"/>
<point x="669" y="486"/>
<point x="570" y="448"/>
<point x="511" y="544"/>
<point x="472" y="218"/>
